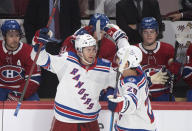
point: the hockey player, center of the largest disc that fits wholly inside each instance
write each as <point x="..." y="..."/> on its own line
<point x="111" y="37"/>
<point x="156" y="56"/>
<point x="135" y="112"/>
<point x="15" y="64"/>
<point x="187" y="72"/>
<point x="81" y="78"/>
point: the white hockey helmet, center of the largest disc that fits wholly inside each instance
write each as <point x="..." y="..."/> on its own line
<point x="132" y="54"/>
<point x="84" y="40"/>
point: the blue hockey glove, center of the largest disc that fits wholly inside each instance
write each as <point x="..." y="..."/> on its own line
<point x="41" y="37"/>
<point x="105" y="93"/>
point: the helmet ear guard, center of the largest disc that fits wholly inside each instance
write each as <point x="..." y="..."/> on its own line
<point x="104" y="20"/>
<point x="130" y="54"/>
<point x="149" y="23"/>
<point x="11" y="25"/>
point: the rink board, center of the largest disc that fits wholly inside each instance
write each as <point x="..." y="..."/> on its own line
<point x="37" y="116"/>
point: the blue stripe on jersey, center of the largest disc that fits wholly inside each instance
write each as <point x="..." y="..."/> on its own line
<point x="73" y="58"/>
<point x="47" y="65"/>
<point x="102" y="65"/>
<point x="138" y="80"/>
<point x="75" y="114"/>
<point x="141" y="83"/>
<point x="103" y="62"/>
<point x="102" y="68"/>
<point x="135" y="100"/>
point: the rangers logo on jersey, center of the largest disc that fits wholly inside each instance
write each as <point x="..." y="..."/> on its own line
<point x="10" y="73"/>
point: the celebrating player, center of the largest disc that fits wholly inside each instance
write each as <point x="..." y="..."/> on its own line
<point x="156" y="56"/>
<point x="110" y="36"/>
<point x="15" y="64"/>
<point x="81" y="78"/>
<point x="134" y="106"/>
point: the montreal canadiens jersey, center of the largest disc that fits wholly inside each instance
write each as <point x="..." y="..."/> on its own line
<point x="137" y="112"/>
<point x="154" y="61"/>
<point x="77" y="97"/>
<point x="15" y="67"/>
<point x="187" y="74"/>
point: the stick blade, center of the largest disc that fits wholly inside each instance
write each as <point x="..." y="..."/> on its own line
<point x="17" y="109"/>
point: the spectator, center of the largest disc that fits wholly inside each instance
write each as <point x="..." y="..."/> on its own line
<point x="183" y="14"/>
<point x="6" y="7"/>
<point x="157" y="56"/>
<point x="82" y="76"/>
<point x="15" y="64"/>
<point x="133" y="101"/>
<point x="107" y="7"/>
<point x="84" y="6"/>
<point x="38" y="13"/>
<point x="36" y="17"/>
<point x="129" y="16"/>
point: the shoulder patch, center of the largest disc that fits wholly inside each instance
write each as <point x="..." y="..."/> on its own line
<point x="133" y="80"/>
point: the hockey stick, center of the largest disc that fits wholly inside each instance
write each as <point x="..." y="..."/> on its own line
<point x="178" y="41"/>
<point x="119" y="71"/>
<point x="115" y="95"/>
<point x="172" y="75"/>
<point x="34" y="62"/>
<point x="98" y="33"/>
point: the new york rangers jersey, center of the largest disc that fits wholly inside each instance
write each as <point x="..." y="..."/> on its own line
<point x="77" y="97"/>
<point x="15" y="67"/>
<point x="136" y="112"/>
<point x="153" y="61"/>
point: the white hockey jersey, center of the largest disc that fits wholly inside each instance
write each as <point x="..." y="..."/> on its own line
<point x="77" y="97"/>
<point x="136" y="112"/>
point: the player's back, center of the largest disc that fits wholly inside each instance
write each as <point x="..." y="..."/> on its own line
<point x="139" y="114"/>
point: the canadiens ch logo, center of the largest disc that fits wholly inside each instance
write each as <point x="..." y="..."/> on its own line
<point x="10" y="73"/>
<point x="151" y="68"/>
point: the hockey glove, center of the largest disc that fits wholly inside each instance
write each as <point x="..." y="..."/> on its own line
<point x="41" y="37"/>
<point x="13" y="96"/>
<point x="105" y="93"/>
<point x="84" y="30"/>
<point x="115" y="32"/>
<point x="115" y="104"/>
<point x="159" y="77"/>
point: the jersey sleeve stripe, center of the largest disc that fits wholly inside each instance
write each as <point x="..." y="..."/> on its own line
<point x="135" y="100"/>
<point x="47" y="65"/>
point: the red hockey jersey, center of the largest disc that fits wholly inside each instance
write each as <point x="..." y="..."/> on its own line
<point x="15" y="67"/>
<point x="154" y="60"/>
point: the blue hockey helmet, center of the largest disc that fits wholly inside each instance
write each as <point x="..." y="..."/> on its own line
<point x="149" y="23"/>
<point x="104" y="20"/>
<point x="10" y="25"/>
